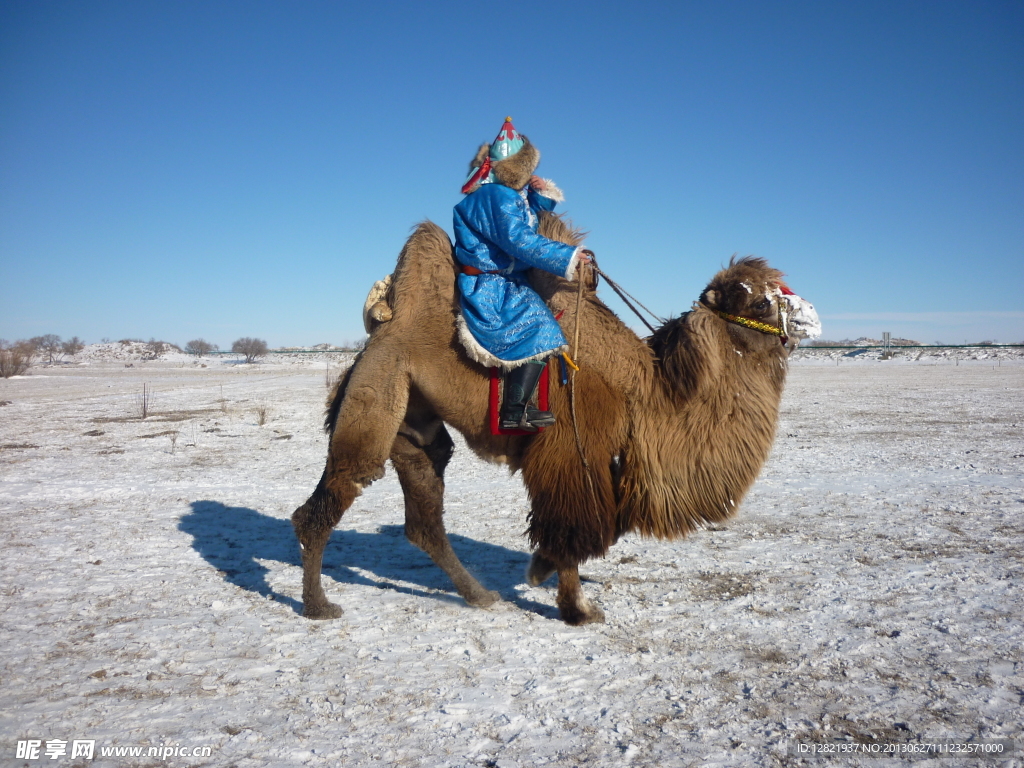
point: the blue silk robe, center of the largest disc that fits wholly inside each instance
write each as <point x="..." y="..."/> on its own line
<point x="496" y="231"/>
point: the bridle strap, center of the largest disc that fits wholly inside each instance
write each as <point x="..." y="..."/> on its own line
<point x="746" y="322"/>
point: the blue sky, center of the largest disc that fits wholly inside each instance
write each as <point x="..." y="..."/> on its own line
<point x="226" y="169"/>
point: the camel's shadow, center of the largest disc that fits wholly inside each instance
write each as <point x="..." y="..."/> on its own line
<point x="238" y="540"/>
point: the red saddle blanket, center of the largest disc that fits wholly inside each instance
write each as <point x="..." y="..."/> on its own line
<point x="538" y="401"/>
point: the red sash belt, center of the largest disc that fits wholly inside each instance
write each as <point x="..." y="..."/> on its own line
<point x="474" y="271"/>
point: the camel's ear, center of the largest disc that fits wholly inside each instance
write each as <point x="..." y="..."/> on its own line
<point x="710" y="298"/>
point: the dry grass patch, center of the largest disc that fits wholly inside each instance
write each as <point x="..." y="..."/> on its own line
<point x="163" y="416"/>
<point x="723" y="586"/>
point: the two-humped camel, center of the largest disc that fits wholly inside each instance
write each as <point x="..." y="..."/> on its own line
<point x="675" y="428"/>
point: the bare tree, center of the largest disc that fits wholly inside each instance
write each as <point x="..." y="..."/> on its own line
<point x="49" y="346"/>
<point x="15" y="358"/>
<point x="72" y="346"/>
<point x="251" y="348"/>
<point x="200" y="347"/>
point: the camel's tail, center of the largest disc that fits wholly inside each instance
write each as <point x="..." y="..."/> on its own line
<point x="337" y="396"/>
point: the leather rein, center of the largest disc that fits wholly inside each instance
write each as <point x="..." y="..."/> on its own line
<point x="746" y="322"/>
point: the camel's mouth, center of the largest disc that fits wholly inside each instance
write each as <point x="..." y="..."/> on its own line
<point x="801" y="319"/>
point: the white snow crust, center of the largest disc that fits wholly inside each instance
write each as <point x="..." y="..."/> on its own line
<point x="867" y="591"/>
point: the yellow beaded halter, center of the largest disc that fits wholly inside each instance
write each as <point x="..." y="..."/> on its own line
<point x="757" y="325"/>
<point x="746" y="322"/>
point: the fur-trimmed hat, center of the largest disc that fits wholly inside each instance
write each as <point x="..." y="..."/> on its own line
<point x="509" y="160"/>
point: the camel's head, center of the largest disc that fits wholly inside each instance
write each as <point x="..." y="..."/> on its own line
<point x="749" y="290"/>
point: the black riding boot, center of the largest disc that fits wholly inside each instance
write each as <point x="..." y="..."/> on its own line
<point x="515" y="411"/>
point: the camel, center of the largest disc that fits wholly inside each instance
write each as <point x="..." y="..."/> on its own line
<point x="674" y="428"/>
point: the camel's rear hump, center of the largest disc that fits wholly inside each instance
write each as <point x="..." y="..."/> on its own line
<point x="424" y="279"/>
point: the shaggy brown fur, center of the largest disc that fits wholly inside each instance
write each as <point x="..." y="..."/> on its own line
<point x="675" y="428"/>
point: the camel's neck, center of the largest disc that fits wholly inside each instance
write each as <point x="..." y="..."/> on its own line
<point x="704" y="433"/>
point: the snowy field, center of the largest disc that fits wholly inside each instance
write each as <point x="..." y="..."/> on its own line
<point x="868" y="593"/>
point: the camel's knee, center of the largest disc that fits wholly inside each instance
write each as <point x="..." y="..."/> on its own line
<point x="539" y="570"/>
<point x="312" y="530"/>
<point x="315" y="519"/>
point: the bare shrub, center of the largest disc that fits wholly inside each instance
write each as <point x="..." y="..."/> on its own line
<point x="15" y="358"/>
<point x="262" y="414"/>
<point x="250" y="348"/>
<point x="155" y="348"/>
<point x="199" y="347"/>
<point x="331" y="378"/>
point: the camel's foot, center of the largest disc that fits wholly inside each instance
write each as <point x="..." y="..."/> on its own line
<point x="321" y="610"/>
<point x="539" y="570"/>
<point x="482" y="598"/>
<point x="577" y="615"/>
<point x="573" y="607"/>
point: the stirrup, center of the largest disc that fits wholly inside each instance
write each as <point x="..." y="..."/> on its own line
<point x="529" y="420"/>
<point x="516" y="413"/>
<point x="539" y="418"/>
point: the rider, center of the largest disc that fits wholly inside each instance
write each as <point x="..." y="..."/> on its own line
<point x="504" y="323"/>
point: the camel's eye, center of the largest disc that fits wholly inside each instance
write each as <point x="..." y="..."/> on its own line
<point x="763" y="305"/>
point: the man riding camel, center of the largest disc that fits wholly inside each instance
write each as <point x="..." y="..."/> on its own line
<point x="504" y="323"/>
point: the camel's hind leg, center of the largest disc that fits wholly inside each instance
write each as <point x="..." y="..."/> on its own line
<point x="366" y="414"/>
<point x="313" y="523"/>
<point x="420" y="470"/>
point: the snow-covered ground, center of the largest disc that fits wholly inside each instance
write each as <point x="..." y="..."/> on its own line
<point x="867" y="593"/>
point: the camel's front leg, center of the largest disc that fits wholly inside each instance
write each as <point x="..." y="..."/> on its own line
<point x="573" y="607"/>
